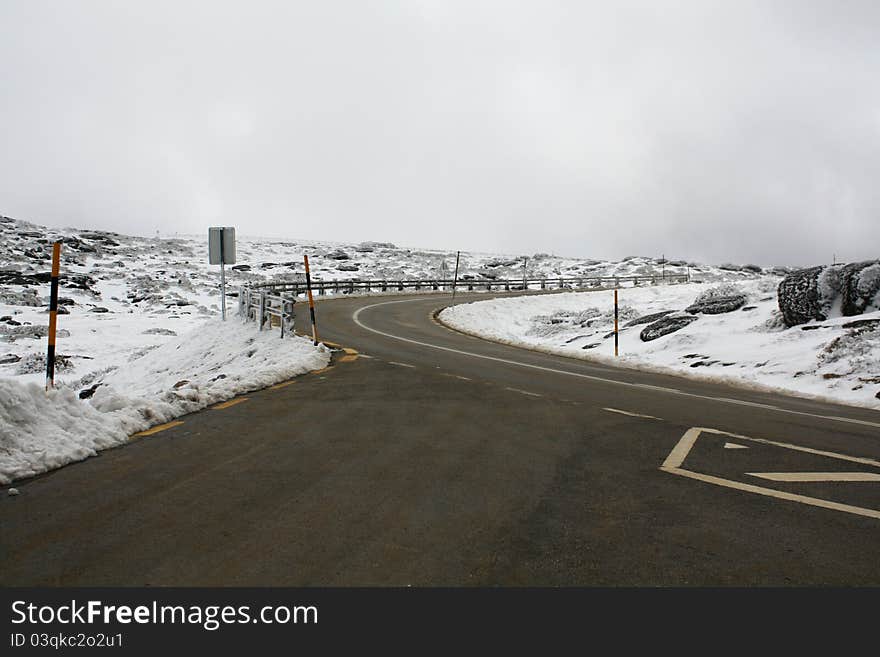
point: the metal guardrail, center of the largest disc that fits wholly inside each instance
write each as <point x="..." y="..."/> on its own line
<point x="353" y="285"/>
<point x="266" y="308"/>
<point x="272" y="304"/>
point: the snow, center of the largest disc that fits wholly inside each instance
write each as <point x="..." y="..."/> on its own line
<point x="747" y="347"/>
<point x="213" y="362"/>
<point x="161" y="325"/>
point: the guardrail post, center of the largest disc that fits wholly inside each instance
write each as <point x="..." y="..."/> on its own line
<point x="543" y="283"/>
<point x="262" y="310"/>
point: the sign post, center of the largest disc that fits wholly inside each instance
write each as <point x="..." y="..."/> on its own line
<point x="221" y="250"/>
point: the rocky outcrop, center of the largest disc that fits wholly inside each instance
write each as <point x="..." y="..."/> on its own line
<point x="810" y="294"/>
<point x="665" y="326"/>
<point x="717" y="305"/>
<point x="647" y="319"/>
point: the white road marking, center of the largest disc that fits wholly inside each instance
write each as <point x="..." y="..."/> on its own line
<point x="817" y="476"/>
<point x="676" y="457"/>
<point x="734" y="446"/>
<point x="394" y="362"/>
<point x="524" y="392"/>
<point x="590" y="377"/>
<point x="617" y="410"/>
<point x="455" y="376"/>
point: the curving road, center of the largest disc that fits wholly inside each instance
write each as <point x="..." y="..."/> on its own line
<point x="428" y="457"/>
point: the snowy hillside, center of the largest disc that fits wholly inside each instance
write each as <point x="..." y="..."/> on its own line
<point x="837" y="359"/>
<point x="126" y="295"/>
<point x="139" y="336"/>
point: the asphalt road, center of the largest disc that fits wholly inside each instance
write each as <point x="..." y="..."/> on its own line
<point x="435" y="458"/>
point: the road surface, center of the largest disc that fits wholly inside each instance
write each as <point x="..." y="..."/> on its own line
<point x="433" y="458"/>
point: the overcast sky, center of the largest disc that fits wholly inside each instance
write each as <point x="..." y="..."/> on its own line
<point x="744" y="131"/>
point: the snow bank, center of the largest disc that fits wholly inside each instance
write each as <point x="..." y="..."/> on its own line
<point x="747" y="347"/>
<point x="214" y="362"/>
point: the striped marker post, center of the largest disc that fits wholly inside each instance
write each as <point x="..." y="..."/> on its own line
<point x="615" y="321"/>
<point x="311" y="301"/>
<point x="53" y="315"/>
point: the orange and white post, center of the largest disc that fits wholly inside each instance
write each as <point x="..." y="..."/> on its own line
<point x="311" y="301"/>
<point x="53" y="315"/>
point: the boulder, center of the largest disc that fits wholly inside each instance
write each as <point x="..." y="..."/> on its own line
<point x="647" y="319"/>
<point x="798" y="297"/>
<point x="810" y="294"/>
<point x="665" y="326"/>
<point x="717" y="305"/>
<point x="338" y="254"/>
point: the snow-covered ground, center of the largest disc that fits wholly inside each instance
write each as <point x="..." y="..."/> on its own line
<point x="748" y="346"/>
<point x="210" y="363"/>
<point x="140" y="315"/>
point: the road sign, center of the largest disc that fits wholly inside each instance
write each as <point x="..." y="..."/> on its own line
<point x="221" y="245"/>
<point x="221" y="251"/>
<point x="815" y="477"/>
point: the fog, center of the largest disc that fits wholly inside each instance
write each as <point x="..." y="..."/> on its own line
<point x="741" y="131"/>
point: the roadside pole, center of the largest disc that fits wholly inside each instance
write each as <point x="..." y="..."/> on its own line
<point x="53" y="315"/>
<point x="525" y="262"/>
<point x="222" y="278"/>
<point x="455" y="277"/>
<point x="221" y="250"/>
<point x="311" y="301"/>
<point x="615" y="322"/>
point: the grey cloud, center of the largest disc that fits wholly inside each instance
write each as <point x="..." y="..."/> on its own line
<point x="722" y="131"/>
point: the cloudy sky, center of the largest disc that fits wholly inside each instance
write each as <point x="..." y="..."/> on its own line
<point x="744" y="131"/>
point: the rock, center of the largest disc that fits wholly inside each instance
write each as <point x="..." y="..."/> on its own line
<point x="268" y="265"/>
<point x="647" y="319"/>
<point x="810" y="294"/>
<point x="755" y="269"/>
<point x="347" y="267"/>
<point x="665" y="326"/>
<point x="241" y="267"/>
<point x="158" y="331"/>
<point x="66" y="301"/>
<point x="744" y="308"/>
<point x="6" y="359"/>
<point x="338" y="254"/>
<point x="12" y="492"/>
<point x="86" y="393"/>
<point x="217" y="378"/>
<point x="717" y="305"/>
<point x="592" y="345"/>
<point x="62" y="310"/>
<point x="180" y="384"/>
<point x="861" y="323"/>
<point x="98" y="309"/>
<point x="798" y="297"/>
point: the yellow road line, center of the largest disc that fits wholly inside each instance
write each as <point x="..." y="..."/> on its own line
<point x="281" y="385"/>
<point x="332" y="345"/>
<point x="156" y="429"/>
<point x="350" y="351"/>
<point x="322" y="370"/>
<point x="227" y="404"/>
<point x="348" y="358"/>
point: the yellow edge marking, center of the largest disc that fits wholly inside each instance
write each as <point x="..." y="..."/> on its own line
<point x="348" y="358"/>
<point x="350" y="351"/>
<point x="156" y="429"/>
<point x="332" y="345"/>
<point x="227" y="404"/>
<point x="322" y="370"/>
<point x="281" y="385"/>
